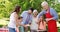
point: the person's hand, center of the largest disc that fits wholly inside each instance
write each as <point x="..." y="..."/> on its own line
<point x="25" y="26"/>
<point x="48" y="19"/>
<point x="37" y="22"/>
<point x="17" y="30"/>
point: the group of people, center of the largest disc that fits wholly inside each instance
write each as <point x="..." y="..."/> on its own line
<point x="31" y="18"/>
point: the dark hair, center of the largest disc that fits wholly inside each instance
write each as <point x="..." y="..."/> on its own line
<point x="20" y="17"/>
<point x="31" y="9"/>
<point x="44" y="17"/>
<point x="17" y="9"/>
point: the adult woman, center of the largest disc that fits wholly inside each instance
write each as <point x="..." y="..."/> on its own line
<point x="51" y="17"/>
<point x="13" y="19"/>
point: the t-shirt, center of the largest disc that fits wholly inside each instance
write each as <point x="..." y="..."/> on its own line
<point x="34" y="25"/>
<point x="12" y="23"/>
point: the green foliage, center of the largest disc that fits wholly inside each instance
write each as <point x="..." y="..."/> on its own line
<point x="7" y="6"/>
<point x="1" y="26"/>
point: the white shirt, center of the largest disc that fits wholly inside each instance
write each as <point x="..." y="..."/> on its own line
<point x="12" y="23"/>
<point x="34" y="25"/>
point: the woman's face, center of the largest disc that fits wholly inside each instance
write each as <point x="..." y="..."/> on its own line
<point x="35" y="14"/>
<point x="45" y="7"/>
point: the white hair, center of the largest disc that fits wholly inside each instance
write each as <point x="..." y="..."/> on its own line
<point x="35" y="11"/>
<point x="44" y="3"/>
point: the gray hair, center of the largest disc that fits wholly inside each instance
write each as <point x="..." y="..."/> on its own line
<point x="35" y="11"/>
<point x="44" y="3"/>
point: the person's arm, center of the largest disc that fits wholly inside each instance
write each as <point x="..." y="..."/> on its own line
<point x="24" y="18"/>
<point x="54" y="14"/>
<point x="23" y="15"/>
<point x="40" y="14"/>
<point x="30" y="20"/>
<point x="21" y="24"/>
<point x="16" y="19"/>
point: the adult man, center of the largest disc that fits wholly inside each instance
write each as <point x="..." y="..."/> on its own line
<point x="27" y="18"/>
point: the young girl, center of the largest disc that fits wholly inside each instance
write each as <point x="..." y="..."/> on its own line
<point x="34" y="25"/>
<point x="42" y="25"/>
<point x="19" y="24"/>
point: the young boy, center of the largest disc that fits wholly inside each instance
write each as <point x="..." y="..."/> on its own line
<point x="19" y="23"/>
<point x="42" y="25"/>
<point x="34" y="25"/>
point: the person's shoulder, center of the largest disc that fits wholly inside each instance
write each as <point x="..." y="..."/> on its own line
<point x="43" y="10"/>
<point x="52" y="9"/>
<point x="25" y="11"/>
<point x="13" y="13"/>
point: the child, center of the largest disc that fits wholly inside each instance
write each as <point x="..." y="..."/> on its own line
<point x="34" y="25"/>
<point x="42" y="24"/>
<point x="19" y="23"/>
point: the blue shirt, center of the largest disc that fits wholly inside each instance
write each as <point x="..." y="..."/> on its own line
<point x="52" y="12"/>
<point x="26" y="17"/>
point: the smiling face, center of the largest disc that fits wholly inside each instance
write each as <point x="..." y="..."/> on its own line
<point x="45" y="7"/>
<point x="35" y="14"/>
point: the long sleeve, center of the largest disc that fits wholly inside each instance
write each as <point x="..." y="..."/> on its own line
<point x="40" y="14"/>
<point x="55" y="15"/>
<point x="24" y="17"/>
<point x="30" y="19"/>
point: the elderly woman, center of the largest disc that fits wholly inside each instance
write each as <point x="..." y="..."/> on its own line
<point x="34" y="25"/>
<point x="51" y="16"/>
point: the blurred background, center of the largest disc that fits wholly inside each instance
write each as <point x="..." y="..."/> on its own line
<point x="7" y="6"/>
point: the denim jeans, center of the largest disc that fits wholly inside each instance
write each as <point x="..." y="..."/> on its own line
<point x="12" y="29"/>
<point x="21" y="29"/>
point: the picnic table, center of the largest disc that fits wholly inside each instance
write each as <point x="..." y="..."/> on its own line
<point x="4" y="30"/>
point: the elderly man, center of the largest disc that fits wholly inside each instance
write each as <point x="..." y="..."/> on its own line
<point x="51" y="16"/>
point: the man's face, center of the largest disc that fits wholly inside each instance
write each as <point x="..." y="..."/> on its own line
<point x="45" y="7"/>
<point x="29" y="11"/>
